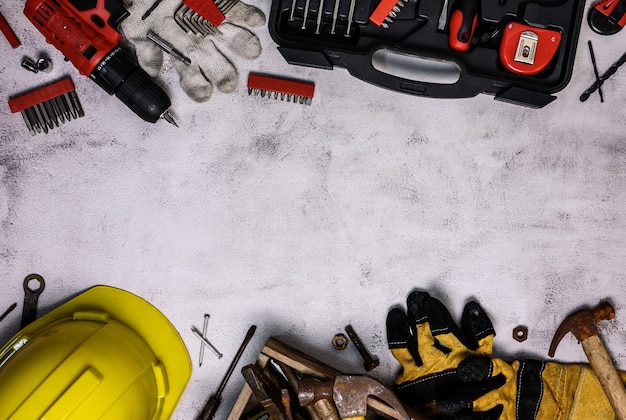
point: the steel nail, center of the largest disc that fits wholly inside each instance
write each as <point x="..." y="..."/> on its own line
<point x="204" y="328"/>
<point x="206" y="342"/>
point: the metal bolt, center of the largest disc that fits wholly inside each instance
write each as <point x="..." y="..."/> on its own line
<point x="369" y="361"/>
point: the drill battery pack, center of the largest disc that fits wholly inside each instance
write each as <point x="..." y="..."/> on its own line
<point x="519" y="51"/>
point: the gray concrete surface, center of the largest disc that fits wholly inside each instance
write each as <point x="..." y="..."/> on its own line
<point x="302" y="219"/>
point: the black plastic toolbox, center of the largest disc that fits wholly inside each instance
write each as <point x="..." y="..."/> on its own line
<point x="410" y="52"/>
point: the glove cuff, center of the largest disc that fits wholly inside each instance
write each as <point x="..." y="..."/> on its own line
<point x="529" y="388"/>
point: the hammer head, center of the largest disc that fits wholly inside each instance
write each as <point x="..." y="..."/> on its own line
<point x="583" y="324"/>
<point x="350" y="394"/>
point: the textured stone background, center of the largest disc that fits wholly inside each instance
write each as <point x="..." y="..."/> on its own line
<point x="302" y="219"/>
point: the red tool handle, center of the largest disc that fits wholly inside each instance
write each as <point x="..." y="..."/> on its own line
<point x="462" y="24"/>
<point x="8" y="32"/>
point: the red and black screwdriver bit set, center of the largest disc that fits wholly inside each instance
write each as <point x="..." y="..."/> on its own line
<point x="519" y="51"/>
<point x="45" y="107"/>
<point x="275" y="87"/>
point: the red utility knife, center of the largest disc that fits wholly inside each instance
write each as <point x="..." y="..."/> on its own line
<point x="607" y="17"/>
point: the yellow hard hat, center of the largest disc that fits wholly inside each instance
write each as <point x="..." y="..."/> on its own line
<point x="106" y="354"/>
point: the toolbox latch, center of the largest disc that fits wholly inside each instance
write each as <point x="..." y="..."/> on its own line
<point x="526" y="97"/>
<point x="306" y="58"/>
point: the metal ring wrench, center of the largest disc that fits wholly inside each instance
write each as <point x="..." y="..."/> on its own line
<point x="29" y="311"/>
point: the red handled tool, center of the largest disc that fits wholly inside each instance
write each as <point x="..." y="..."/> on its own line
<point x="607" y="17"/>
<point x="462" y="24"/>
<point x="86" y="35"/>
<point x="8" y="32"/>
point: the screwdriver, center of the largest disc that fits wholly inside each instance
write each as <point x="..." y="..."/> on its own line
<point x="211" y="406"/>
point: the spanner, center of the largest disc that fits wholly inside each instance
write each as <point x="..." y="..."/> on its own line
<point x="29" y="311"/>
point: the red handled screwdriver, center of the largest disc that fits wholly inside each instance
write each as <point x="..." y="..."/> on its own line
<point x="462" y="24"/>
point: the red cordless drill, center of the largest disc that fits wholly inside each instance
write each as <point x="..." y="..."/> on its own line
<point x="85" y="32"/>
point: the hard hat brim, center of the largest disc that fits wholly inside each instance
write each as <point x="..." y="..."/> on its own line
<point x="140" y="316"/>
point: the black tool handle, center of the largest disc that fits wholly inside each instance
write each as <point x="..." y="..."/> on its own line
<point x="211" y="406"/>
<point x="466" y="86"/>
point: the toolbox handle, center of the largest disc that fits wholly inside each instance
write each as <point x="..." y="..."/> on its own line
<point x="406" y="79"/>
<point x="448" y="84"/>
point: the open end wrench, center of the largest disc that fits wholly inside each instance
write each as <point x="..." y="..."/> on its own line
<point x="29" y="311"/>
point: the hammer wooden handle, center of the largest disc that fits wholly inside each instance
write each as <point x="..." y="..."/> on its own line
<point x="604" y="369"/>
<point x="326" y="409"/>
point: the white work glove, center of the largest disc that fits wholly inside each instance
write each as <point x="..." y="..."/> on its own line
<point x="209" y="66"/>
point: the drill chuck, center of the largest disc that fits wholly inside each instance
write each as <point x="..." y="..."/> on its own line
<point x="119" y="73"/>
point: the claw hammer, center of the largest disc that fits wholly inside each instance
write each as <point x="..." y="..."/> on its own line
<point x="584" y="325"/>
<point x="349" y="393"/>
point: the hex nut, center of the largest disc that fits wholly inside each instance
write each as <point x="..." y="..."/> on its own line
<point x="520" y="333"/>
<point x="44" y="64"/>
<point x="340" y="341"/>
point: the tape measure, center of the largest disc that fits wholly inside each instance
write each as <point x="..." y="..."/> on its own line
<point x="526" y="49"/>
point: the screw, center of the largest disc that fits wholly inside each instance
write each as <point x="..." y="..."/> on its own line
<point x="369" y="361"/>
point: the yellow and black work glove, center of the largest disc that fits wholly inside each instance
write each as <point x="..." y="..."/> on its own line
<point x="450" y="370"/>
